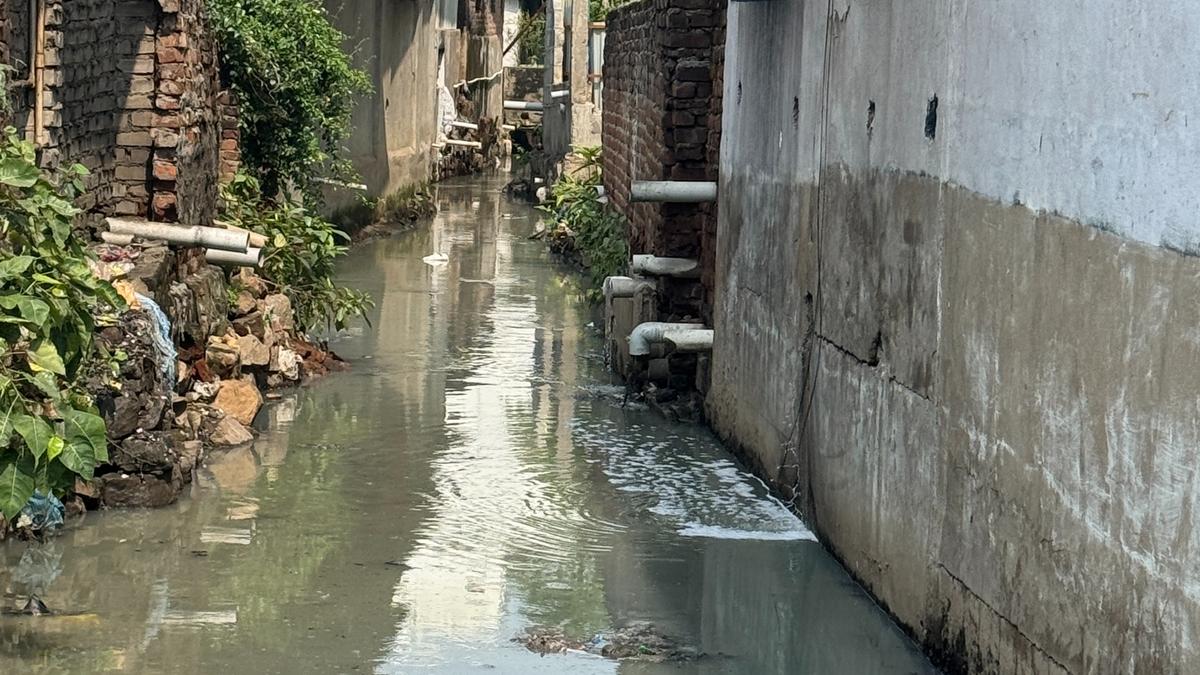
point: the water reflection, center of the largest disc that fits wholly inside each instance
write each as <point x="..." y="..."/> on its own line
<point x="474" y="474"/>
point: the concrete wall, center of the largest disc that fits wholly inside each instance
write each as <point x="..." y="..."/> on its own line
<point x="397" y="43"/>
<point x="969" y="350"/>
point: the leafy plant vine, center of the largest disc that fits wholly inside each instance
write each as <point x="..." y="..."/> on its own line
<point x="295" y="88"/>
<point x="50" y="303"/>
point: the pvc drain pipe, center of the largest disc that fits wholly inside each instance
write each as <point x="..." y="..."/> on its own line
<point x="653" y="265"/>
<point x="250" y="258"/>
<point x="689" y="339"/>
<point x="196" y="235"/>
<point x="625" y="287"/>
<point x="523" y="105"/>
<point x="653" y="332"/>
<point x="464" y="125"/>
<point x="676" y="191"/>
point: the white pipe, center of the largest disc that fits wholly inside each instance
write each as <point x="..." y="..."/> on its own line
<point x="523" y="105"/>
<point x="465" y="144"/>
<point x="689" y="339"/>
<point x="250" y="258"/>
<point x="508" y="127"/>
<point x="464" y="125"/>
<point x="678" y="191"/>
<point x="652" y="265"/>
<point x="116" y="239"/>
<point x="561" y="93"/>
<point x="207" y="237"/>
<point x="652" y="332"/>
<point x="625" y="287"/>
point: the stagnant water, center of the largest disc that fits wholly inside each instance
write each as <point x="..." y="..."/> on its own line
<point x="473" y="475"/>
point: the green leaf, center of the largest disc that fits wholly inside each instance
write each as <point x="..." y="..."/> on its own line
<point x="86" y="445"/>
<point x="16" y="483"/>
<point x="47" y="384"/>
<point x="29" y="309"/>
<point x="54" y="448"/>
<point x="18" y="173"/>
<point x="35" y="431"/>
<point x="43" y="355"/>
<point x="15" y="266"/>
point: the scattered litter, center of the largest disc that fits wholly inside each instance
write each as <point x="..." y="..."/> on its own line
<point x="162" y="339"/>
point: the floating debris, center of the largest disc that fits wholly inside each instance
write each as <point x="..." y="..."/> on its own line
<point x="636" y="642"/>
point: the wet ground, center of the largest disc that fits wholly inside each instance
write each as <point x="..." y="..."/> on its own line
<point x="472" y="477"/>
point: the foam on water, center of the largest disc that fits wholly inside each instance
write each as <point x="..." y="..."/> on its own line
<point x="689" y="482"/>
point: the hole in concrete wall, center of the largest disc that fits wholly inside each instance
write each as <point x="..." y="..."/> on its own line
<point x="739" y="93"/>
<point x="931" y="113"/>
<point x="795" y="112"/>
<point x="870" y="118"/>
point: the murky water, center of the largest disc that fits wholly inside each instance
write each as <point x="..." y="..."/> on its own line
<point x="474" y="474"/>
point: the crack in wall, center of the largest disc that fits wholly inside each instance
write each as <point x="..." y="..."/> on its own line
<point x="1015" y="628"/>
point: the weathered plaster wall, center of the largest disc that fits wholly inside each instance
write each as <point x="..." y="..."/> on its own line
<point x="397" y="44"/>
<point x="987" y="409"/>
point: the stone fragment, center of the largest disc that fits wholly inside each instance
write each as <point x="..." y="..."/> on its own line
<point x="286" y="362"/>
<point x="277" y="309"/>
<point x="229" y="431"/>
<point x="253" y="283"/>
<point x="251" y="324"/>
<point x="239" y="399"/>
<point x="253" y="352"/>
<point x="244" y="304"/>
<point x="146" y="490"/>
<point x="221" y="356"/>
<point x="144" y="451"/>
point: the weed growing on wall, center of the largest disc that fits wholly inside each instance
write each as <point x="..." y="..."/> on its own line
<point x="50" y="304"/>
<point x="580" y="225"/>
<point x="295" y="88"/>
<point x="300" y="255"/>
<point x="532" y="29"/>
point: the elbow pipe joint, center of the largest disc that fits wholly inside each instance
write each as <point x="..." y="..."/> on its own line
<point x="652" y="332"/>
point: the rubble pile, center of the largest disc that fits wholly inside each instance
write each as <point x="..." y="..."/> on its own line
<point x="166" y="405"/>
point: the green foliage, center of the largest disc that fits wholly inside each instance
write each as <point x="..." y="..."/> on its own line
<point x="532" y="29"/>
<point x="581" y="224"/>
<point x="407" y="204"/>
<point x="295" y="88"/>
<point x="598" y="9"/>
<point x="299" y="257"/>
<point x="50" y="302"/>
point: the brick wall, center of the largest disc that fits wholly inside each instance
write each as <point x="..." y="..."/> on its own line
<point x="130" y="92"/>
<point x="662" y="76"/>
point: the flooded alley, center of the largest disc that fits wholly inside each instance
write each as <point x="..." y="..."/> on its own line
<point x="475" y="474"/>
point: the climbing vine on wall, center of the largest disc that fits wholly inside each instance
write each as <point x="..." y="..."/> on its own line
<point x="295" y="87"/>
<point x="50" y="303"/>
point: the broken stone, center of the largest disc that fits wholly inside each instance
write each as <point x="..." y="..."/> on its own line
<point x="222" y="357"/>
<point x="147" y="490"/>
<point x="144" y="451"/>
<point x="239" y="399"/>
<point x="278" y="310"/>
<point x="206" y="391"/>
<point x="253" y="352"/>
<point x="252" y="283"/>
<point x="251" y="324"/>
<point x="286" y="362"/>
<point x="229" y="431"/>
<point x="244" y="304"/>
